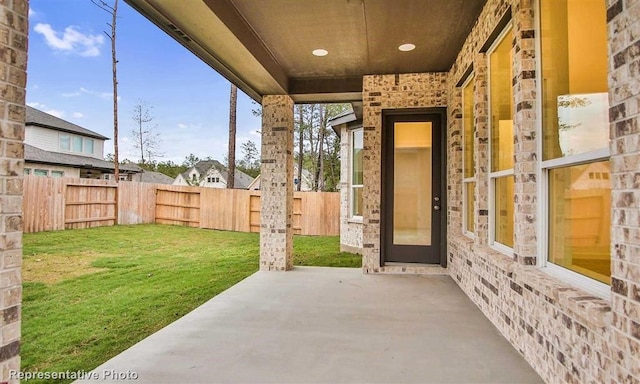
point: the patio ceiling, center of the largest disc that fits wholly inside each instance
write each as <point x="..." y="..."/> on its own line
<point x="266" y="47"/>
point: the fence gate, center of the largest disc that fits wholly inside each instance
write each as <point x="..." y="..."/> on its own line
<point x="89" y="205"/>
<point x="178" y="207"/>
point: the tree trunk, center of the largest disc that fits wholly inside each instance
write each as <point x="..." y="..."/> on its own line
<point x="320" y="167"/>
<point x="300" y="146"/>
<point x="231" y="167"/>
<point x="114" y="64"/>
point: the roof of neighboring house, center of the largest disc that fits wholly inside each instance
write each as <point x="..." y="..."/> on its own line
<point x="37" y="155"/>
<point x="348" y="116"/>
<point x="42" y="119"/>
<point x="306" y="176"/>
<point x="153" y="177"/>
<point x="242" y="180"/>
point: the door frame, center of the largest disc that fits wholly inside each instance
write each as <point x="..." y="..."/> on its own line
<point x="441" y="112"/>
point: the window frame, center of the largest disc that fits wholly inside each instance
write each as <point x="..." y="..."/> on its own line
<point x="543" y="169"/>
<point x="352" y="186"/>
<point x="492" y="176"/>
<point x="472" y="179"/>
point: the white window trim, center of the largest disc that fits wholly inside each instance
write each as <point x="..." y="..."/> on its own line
<point x="466" y="180"/>
<point x="502" y="248"/>
<point x="352" y="217"/>
<point x="544" y="166"/>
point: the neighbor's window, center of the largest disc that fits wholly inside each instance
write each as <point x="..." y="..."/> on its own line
<point x="469" y="165"/>
<point x="27" y="171"/>
<point x="57" y="173"/>
<point x="357" y="144"/>
<point x="88" y="146"/>
<point x="575" y="130"/>
<point x="40" y="172"/>
<point x="77" y="143"/>
<point x="501" y="143"/>
<point x="65" y="142"/>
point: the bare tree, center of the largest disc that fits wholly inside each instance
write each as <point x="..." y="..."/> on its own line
<point x="113" y="11"/>
<point x="231" y="163"/>
<point x="145" y="139"/>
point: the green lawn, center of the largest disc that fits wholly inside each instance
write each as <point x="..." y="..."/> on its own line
<point x="89" y="294"/>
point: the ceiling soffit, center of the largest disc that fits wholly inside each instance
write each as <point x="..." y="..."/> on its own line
<point x="267" y="45"/>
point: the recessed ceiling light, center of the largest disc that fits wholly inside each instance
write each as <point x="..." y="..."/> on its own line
<point x="407" y="47"/>
<point x="320" y="52"/>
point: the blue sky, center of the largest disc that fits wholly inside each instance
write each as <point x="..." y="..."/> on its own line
<point x="69" y="75"/>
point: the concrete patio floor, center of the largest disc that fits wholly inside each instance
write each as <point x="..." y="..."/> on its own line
<point x="328" y="325"/>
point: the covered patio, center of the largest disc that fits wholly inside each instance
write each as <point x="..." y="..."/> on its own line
<point x="328" y="325"/>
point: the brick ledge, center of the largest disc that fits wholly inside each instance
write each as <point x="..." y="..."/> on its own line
<point x="593" y="311"/>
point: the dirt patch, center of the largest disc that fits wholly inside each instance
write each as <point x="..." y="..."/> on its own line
<point x="51" y="269"/>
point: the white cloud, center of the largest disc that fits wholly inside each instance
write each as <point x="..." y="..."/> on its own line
<point x="78" y="115"/>
<point x="32" y="12"/>
<point x="85" y="91"/>
<point x="35" y="104"/>
<point x="55" y="112"/>
<point x="190" y="126"/>
<point x="71" y="40"/>
<point x="46" y="109"/>
<point x="71" y="94"/>
<point x="256" y="133"/>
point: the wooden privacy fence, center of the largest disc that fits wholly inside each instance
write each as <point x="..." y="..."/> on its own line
<point x="62" y="203"/>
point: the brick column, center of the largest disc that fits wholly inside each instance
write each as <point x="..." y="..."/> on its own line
<point x="624" y="115"/>
<point x="481" y="143"/>
<point x="524" y="125"/>
<point x="276" y="184"/>
<point x="13" y="65"/>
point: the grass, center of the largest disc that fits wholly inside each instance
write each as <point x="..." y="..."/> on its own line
<point x="90" y="294"/>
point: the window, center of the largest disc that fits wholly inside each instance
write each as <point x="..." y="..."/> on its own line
<point x="501" y="182"/>
<point x="88" y="146"/>
<point x="57" y="173"/>
<point x="77" y="144"/>
<point x="575" y="130"/>
<point x="65" y="142"/>
<point x="469" y="165"/>
<point x="357" y="144"/>
<point x="40" y="172"/>
<point x="27" y="171"/>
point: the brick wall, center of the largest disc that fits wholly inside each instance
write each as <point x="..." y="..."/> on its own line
<point x="276" y="233"/>
<point x="13" y="44"/>
<point x="568" y="335"/>
<point x="389" y="92"/>
<point x="624" y="97"/>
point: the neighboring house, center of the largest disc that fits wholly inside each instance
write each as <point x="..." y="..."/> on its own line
<point x="55" y="147"/>
<point x="152" y="177"/>
<point x="307" y="181"/>
<point x="211" y="174"/>
<point x="349" y="128"/>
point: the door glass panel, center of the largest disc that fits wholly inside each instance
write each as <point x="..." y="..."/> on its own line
<point x="412" y="183"/>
